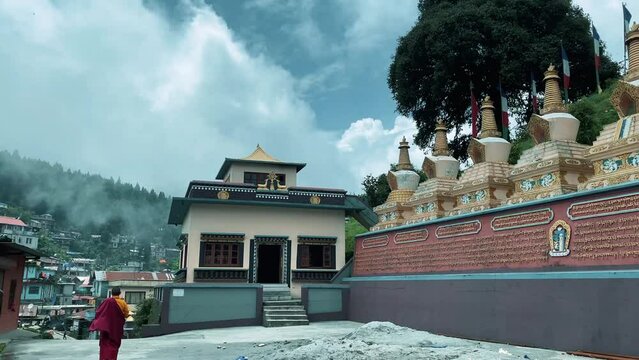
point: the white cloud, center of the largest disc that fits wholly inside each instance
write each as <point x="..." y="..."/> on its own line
<point x="607" y="17"/>
<point x="112" y="88"/>
<point x="376" y="24"/>
<point x="370" y="148"/>
<point x="115" y="90"/>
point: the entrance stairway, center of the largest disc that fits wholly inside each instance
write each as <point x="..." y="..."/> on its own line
<point x="280" y="309"/>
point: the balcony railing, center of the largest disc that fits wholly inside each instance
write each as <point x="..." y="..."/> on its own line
<point x="313" y="275"/>
<point x="180" y="276"/>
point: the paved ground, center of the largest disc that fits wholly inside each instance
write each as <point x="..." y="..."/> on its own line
<point x="195" y="345"/>
<point x="339" y="340"/>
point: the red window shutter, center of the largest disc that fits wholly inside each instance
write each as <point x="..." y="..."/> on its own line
<point x="304" y="255"/>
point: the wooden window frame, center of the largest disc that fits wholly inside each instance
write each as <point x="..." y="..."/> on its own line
<point x="2" y="274"/>
<point x="212" y="250"/>
<point x="260" y="178"/>
<point x="304" y="258"/>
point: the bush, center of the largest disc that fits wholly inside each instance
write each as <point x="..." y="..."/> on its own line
<point x="148" y="312"/>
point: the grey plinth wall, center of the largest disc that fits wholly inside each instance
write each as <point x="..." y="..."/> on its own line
<point x="325" y="302"/>
<point x="205" y="306"/>
<point x="590" y="311"/>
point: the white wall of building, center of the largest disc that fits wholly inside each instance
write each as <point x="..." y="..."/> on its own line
<point x="262" y="220"/>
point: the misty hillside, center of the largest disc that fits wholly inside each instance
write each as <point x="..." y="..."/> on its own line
<point x="86" y="203"/>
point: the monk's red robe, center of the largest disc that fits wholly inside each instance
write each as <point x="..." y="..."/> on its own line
<point x="110" y="323"/>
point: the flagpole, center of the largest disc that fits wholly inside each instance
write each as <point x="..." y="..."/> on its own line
<point x="597" y="48"/>
<point x="564" y="60"/>
<point x="623" y="13"/>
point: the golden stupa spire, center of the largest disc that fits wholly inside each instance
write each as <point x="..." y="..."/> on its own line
<point x="404" y="159"/>
<point x="488" y="123"/>
<point x="632" y="42"/>
<point x="441" y="142"/>
<point x="552" y="94"/>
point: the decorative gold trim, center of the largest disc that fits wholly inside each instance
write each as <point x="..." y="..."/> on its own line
<point x="476" y="151"/>
<point x="404" y="158"/>
<point x="441" y="142"/>
<point x="488" y="122"/>
<point x="552" y="94"/>
<point x="539" y="129"/>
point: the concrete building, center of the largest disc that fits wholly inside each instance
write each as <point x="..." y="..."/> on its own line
<point x="44" y="222"/>
<point x="18" y="231"/>
<point x="12" y="259"/>
<point x="254" y="224"/>
<point x="38" y="284"/>
<point x="135" y="286"/>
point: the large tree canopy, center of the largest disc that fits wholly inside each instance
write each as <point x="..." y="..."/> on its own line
<point x="455" y="42"/>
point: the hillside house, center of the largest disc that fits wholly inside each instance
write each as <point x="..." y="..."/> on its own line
<point x="18" y="231"/>
<point x="135" y="286"/>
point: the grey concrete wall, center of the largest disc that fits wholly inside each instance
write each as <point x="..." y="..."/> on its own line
<point x="324" y="302"/>
<point x="211" y="304"/>
<point x="598" y="315"/>
<point x="205" y="306"/>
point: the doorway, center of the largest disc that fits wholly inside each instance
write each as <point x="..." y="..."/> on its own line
<point x="269" y="264"/>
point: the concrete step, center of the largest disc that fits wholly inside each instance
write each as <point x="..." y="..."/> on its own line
<point x="294" y="311"/>
<point x="285" y="322"/>
<point x="285" y="316"/>
<point x="282" y="302"/>
<point x="276" y="287"/>
<point x="276" y="297"/>
<point x="284" y="308"/>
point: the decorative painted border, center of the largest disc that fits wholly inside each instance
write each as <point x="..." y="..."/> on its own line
<point x="550" y="218"/>
<point x="219" y="188"/>
<point x="378" y="241"/>
<point x="457" y="224"/>
<point x="571" y="217"/>
<point x="285" y="253"/>
<point x="311" y="193"/>
<point x="528" y="275"/>
<point x="271" y="196"/>
<point x="423" y="237"/>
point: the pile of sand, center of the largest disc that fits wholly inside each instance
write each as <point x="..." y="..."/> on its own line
<point x="385" y="340"/>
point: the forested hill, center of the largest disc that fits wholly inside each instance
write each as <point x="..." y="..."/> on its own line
<point x="83" y="202"/>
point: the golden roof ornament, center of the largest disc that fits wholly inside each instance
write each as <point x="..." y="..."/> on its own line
<point x="404" y="159"/>
<point x="488" y="122"/>
<point x="552" y="94"/>
<point x="441" y="142"/>
<point x="632" y="42"/>
<point x="260" y="155"/>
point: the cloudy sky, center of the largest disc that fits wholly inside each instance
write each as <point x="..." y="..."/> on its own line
<point x="160" y="94"/>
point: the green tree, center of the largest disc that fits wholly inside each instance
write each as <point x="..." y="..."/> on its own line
<point x="455" y="42"/>
<point x="353" y="228"/>
<point x="148" y="312"/>
<point x="51" y="248"/>
<point x="376" y="189"/>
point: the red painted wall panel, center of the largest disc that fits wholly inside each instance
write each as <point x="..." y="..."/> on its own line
<point x="12" y="266"/>
<point x="581" y="230"/>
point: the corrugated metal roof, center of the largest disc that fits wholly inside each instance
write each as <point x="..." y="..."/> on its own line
<point x="137" y="276"/>
<point x="5" y="220"/>
<point x="100" y="276"/>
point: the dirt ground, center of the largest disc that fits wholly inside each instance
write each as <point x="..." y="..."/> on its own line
<point x="340" y="340"/>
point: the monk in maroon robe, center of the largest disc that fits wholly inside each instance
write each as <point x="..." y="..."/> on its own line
<point x="109" y="321"/>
